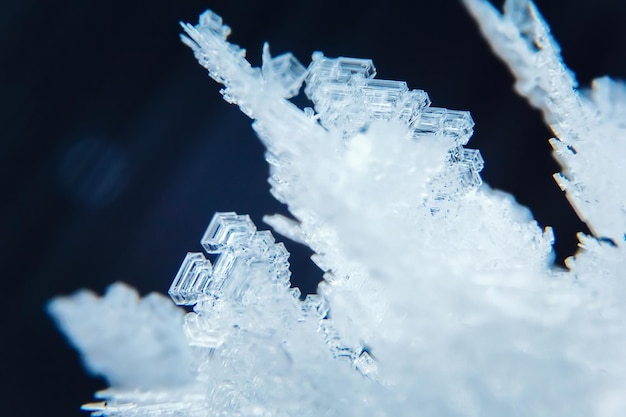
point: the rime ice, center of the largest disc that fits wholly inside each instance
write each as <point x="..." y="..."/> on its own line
<point x="151" y="333"/>
<point x="438" y="299"/>
<point x="589" y="127"/>
<point x="242" y="255"/>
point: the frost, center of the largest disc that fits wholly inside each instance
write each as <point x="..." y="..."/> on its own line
<point x="151" y="334"/>
<point x="439" y="297"/>
<point x="589" y="127"/>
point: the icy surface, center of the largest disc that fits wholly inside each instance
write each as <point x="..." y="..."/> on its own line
<point x="439" y="297"/>
<point x="589" y="127"/>
<point x="133" y="342"/>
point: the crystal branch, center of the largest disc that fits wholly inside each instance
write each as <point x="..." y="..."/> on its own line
<point x="438" y="299"/>
<point x="588" y="127"/>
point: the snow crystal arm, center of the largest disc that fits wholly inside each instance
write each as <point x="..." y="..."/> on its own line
<point x="587" y="128"/>
<point x="259" y="93"/>
<point x="522" y="39"/>
<point x="438" y="298"/>
<point x="122" y="336"/>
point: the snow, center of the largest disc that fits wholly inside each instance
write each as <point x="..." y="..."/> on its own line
<point x="439" y="295"/>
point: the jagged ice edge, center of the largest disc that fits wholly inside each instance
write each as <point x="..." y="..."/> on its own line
<point x="445" y="199"/>
<point x="588" y="126"/>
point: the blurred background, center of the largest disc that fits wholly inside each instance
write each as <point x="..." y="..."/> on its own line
<point x="116" y="148"/>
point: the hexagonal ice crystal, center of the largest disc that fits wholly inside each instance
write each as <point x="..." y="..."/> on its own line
<point x="363" y="67"/>
<point x="382" y="96"/>
<point x="192" y="280"/>
<point x="223" y="266"/>
<point x="341" y="69"/>
<point x="213" y="22"/>
<point x="315" y="305"/>
<point x="366" y="365"/>
<point x="467" y="163"/>
<point x="227" y="230"/>
<point x="413" y="103"/>
<point x="263" y="241"/>
<point x="284" y="72"/>
<point x="430" y="122"/>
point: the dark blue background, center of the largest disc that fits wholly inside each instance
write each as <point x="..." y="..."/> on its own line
<point x="116" y="149"/>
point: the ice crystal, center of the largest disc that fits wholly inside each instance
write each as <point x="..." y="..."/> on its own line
<point x="589" y="127"/>
<point x="438" y="299"/>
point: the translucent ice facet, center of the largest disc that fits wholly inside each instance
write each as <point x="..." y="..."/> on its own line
<point x="348" y="97"/>
<point x="469" y="177"/>
<point x="202" y="332"/>
<point x="239" y="278"/>
<point x="413" y="103"/>
<point x="285" y="226"/>
<point x="588" y="125"/>
<point x="430" y="122"/>
<point x="192" y="279"/>
<point x="340" y="69"/>
<point x="227" y="229"/>
<point x="465" y="165"/>
<point x="213" y="22"/>
<point x="450" y="289"/>
<point x="382" y="96"/>
<point x="469" y="157"/>
<point x="352" y="66"/>
<point x="315" y="305"/>
<point x="321" y="69"/>
<point x="284" y="72"/>
<point x="247" y="260"/>
<point x="223" y="266"/>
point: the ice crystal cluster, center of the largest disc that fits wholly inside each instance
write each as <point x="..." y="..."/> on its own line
<point x="439" y="297"/>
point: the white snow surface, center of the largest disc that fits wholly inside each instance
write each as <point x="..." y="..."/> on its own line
<point x="439" y="296"/>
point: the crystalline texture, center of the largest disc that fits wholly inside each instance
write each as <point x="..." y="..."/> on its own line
<point x="588" y="127"/>
<point x="382" y="97"/>
<point x="135" y="343"/>
<point x="213" y="22"/>
<point x="415" y="101"/>
<point x="362" y="195"/>
<point x="438" y="296"/>
<point x="227" y="230"/>
<point x="469" y="163"/>
<point x="243" y="256"/>
<point x="284" y="72"/>
<point x="192" y="280"/>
